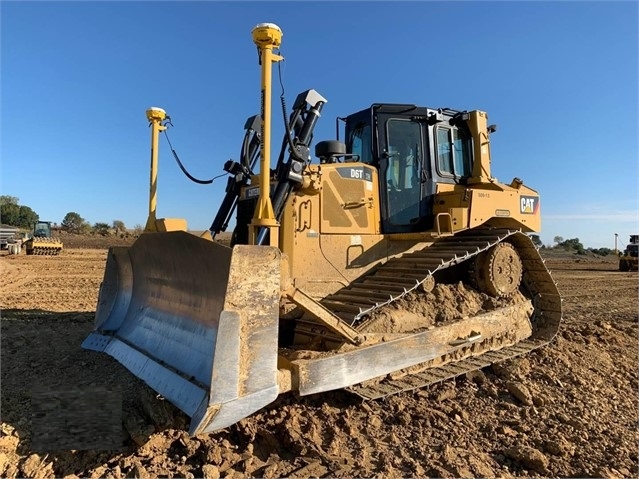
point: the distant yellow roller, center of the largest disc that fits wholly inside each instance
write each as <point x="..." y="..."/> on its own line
<point x="42" y="241"/>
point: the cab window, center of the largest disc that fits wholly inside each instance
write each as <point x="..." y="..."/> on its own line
<point x="404" y="157"/>
<point x="453" y="152"/>
<point x="361" y="143"/>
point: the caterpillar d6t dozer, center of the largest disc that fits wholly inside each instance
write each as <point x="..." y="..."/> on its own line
<point x="356" y="270"/>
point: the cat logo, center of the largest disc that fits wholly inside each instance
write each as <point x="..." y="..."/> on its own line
<point x="529" y="205"/>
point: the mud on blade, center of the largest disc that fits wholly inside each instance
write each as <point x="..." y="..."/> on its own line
<point x="196" y="321"/>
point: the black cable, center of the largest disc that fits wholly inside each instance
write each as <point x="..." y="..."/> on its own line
<point x="287" y="127"/>
<point x="189" y="176"/>
<point x="279" y="71"/>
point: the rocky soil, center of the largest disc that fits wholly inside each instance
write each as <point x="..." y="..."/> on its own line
<point x="567" y="410"/>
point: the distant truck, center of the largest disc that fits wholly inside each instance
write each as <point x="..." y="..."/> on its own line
<point x="7" y="235"/>
<point x="629" y="259"/>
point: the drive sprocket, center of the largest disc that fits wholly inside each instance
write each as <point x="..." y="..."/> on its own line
<point x="498" y="270"/>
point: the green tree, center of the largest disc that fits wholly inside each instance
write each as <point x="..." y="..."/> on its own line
<point x="558" y="240"/>
<point x="138" y="229"/>
<point x="14" y="214"/>
<point x="26" y="217"/>
<point x="101" y="228"/>
<point x="73" y="223"/>
<point x="118" y="226"/>
<point x="536" y="241"/>
<point x="8" y="200"/>
<point x="601" y="251"/>
<point x="10" y="214"/>
<point x="573" y="244"/>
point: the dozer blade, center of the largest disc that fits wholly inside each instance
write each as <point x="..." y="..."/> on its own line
<point x="196" y="321"/>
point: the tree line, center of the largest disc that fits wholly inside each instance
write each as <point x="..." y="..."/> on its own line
<point x="21" y="216"/>
<point x="74" y="223"/>
<point x="572" y="244"/>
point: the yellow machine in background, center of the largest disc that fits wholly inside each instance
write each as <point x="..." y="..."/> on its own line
<point x="328" y="260"/>
<point x="629" y="260"/>
<point x="42" y="241"/>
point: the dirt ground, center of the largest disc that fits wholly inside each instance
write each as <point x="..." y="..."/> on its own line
<point x="567" y="410"/>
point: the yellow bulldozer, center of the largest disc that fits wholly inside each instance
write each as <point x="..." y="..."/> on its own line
<point x="42" y="241"/>
<point x="336" y="266"/>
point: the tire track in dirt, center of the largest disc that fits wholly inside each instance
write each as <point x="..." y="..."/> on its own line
<point x="74" y="276"/>
<point x="12" y="276"/>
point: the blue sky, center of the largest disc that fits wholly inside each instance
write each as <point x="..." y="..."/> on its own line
<point x="558" y="78"/>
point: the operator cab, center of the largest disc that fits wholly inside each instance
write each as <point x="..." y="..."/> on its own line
<point x="42" y="230"/>
<point x="414" y="149"/>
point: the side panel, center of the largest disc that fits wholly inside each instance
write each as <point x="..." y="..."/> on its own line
<point x="507" y="208"/>
<point x="349" y="199"/>
<point x="451" y="208"/>
<point x="497" y="205"/>
<point x="330" y="234"/>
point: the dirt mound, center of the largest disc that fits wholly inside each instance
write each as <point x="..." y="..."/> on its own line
<point x="94" y="241"/>
<point x="444" y="304"/>
<point x="568" y="409"/>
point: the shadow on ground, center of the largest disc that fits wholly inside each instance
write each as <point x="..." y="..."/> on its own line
<point x="78" y="407"/>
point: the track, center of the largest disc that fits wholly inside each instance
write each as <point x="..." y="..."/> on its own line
<point x="411" y="272"/>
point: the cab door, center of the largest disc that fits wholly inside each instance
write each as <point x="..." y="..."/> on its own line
<point x="406" y="185"/>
